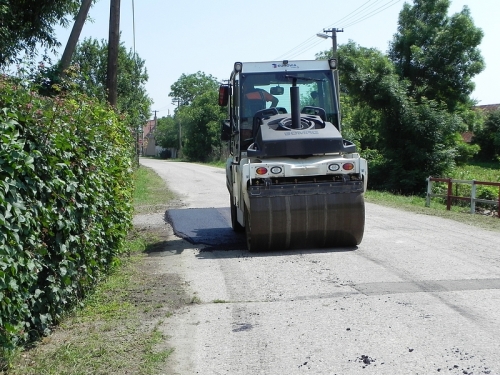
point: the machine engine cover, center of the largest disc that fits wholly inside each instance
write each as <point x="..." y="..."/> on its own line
<point x="316" y="137"/>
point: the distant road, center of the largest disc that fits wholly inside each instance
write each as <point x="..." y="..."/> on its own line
<point x="420" y="295"/>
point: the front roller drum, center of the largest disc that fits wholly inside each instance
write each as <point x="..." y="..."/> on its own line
<point x="305" y="221"/>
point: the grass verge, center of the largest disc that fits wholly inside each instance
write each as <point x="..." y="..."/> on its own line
<point x="151" y="193"/>
<point x="118" y="329"/>
<point x="416" y="204"/>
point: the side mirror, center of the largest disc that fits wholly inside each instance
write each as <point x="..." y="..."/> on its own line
<point x="225" y="131"/>
<point x="223" y="95"/>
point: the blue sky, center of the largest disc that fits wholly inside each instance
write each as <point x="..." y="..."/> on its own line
<point x="209" y="36"/>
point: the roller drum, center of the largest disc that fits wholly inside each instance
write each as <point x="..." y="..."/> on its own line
<point x="315" y="216"/>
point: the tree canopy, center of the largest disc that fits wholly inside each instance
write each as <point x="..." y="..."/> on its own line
<point x="488" y="138"/>
<point x="201" y="127"/>
<point x="91" y="59"/>
<point x="188" y="87"/>
<point x="197" y="114"/>
<point x="406" y="110"/>
<point x="436" y="53"/>
<point x="26" y="23"/>
<point x="423" y="129"/>
<point x="167" y="133"/>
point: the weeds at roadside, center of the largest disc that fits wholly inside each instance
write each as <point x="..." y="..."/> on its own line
<point x="118" y="329"/>
<point x="417" y="205"/>
<point x="151" y="193"/>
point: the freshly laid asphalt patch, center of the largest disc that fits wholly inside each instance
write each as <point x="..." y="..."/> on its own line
<point x="206" y="226"/>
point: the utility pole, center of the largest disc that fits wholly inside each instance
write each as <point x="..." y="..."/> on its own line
<point x="156" y="121"/>
<point x="113" y="46"/>
<point x="178" y="102"/>
<point x="334" y="32"/>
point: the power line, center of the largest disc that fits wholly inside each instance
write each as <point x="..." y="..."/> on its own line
<point x="382" y="8"/>
<point x="358" y="15"/>
<point x="365" y="12"/>
<point x="360" y="9"/>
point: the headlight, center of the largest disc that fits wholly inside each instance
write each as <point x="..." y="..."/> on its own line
<point x="334" y="167"/>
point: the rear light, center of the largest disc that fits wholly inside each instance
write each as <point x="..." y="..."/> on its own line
<point x="276" y="170"/>
<point x="261" y="170"/>
<point x="348" y="166"/>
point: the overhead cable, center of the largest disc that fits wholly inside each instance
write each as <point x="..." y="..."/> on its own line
<point x="358" y="15"/>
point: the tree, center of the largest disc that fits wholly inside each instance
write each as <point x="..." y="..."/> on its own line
<point x="75" y="35"/>
<point x="437" y="54"/>
<point x="167" y="133"/>
<point x="199" y="115"/>
<point x="488" y="138"/>
<point x="188" y="87"/>
<point x="91" y="58"/>
<point x="416" y="138"/>
<point x="201" y="126"/>
<point x="26" y="23"/>
<point x="360" y="124"/>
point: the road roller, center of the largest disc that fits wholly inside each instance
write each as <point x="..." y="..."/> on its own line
<point x="294" y="182"/>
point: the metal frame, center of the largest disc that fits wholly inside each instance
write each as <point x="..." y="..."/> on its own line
<point x="449" y="195"/>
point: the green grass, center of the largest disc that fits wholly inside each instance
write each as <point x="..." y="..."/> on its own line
<point x="489" y="172"/>
<point x="109" y="334"/>
<point x="151" y="193"/>
<point x="460" y="211"/>
<point x="218" y="164"/>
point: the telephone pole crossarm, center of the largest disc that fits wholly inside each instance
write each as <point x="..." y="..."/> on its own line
<point x="334" y="32"/>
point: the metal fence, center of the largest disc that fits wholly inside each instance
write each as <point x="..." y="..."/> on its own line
<point x="472" y="198"/>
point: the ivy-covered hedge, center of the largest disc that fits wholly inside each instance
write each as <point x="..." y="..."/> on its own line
<point x="65" y="204"/>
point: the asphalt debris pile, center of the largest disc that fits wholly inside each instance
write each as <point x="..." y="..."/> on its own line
<point x="366" y="360"/>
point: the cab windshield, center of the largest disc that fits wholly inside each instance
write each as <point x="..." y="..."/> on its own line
<point x="316" y="89"/>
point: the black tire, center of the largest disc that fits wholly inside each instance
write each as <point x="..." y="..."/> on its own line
<point x="255" y="243"/>
<point x="237" y="227"/>
<point x="248" y="229"/>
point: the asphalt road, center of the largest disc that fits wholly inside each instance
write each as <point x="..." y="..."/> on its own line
<point x="420" y="295"/>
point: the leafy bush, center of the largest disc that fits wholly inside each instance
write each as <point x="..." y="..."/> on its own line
<point x="488" y="138"/>
<point x="65" y="193"/>
<point x="465" y="151"/>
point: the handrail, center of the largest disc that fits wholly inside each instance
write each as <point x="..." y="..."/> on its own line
<point x="449" y="195"/>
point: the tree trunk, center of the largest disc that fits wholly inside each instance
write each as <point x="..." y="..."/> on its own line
<point x="75" y="34"/>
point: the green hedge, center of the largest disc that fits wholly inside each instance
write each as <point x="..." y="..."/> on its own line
<point x="65" y="204"/>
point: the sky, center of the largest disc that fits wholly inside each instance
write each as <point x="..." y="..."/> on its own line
<point x="187" y="36"/>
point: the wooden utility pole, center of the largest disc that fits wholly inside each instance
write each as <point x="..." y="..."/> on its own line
<point x="75" y="34"/>
<point x="113" y="46"/>
<point x="334" y="32"/>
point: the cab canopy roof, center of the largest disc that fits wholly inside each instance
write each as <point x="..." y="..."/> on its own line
<point x="282" y="66"/>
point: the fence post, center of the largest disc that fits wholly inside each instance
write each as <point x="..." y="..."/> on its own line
<point x="429" y="191"/>
<point x="499" y="202"/>
<point x="450" y="193"/>
<point x="473" y="198"/>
